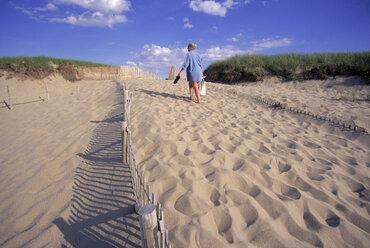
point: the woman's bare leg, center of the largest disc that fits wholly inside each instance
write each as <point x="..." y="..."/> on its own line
<point x="195" y="85"/>
<point x="191" y="90"/>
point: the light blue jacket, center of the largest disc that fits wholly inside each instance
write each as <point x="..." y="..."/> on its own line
<point x="193" y="67"/>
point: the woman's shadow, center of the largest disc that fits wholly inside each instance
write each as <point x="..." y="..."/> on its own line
<point x="164" y="94"/>
<point x="102" y="209"/>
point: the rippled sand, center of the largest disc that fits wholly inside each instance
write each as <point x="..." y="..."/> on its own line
<point x="236" y="173"/>
<point x="231" y="172"/>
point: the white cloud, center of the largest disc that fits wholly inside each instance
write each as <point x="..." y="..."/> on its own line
<point x="33" y="11"/>
<point x="220" y="53"/>
<point x="92" y="19"/>
<point x="208" y="7"/>
<point x="187" y="23"/>
<point x="158" y="58"/>
<point x="236" y="38"/>
<point x="105" y="6"/>
<point x="23" y="10"/>
<point x="171" y="18"/>
<point x="211" y="7"/>
<point x="131" y="63"/>
<point x="229" y="3"/>
<point x="99" y="13"/>
<point x="96" y="12"/>
<point x="269" y="43"/>
<point x="48" y="7"/>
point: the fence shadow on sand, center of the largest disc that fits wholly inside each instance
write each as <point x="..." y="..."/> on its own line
<point x="102" y="210"/>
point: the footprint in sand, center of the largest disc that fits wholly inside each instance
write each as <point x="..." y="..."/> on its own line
<point x="280" y="165"/>
<point x="264" y="149"/>
<point x="223" y="221"/>
<point x="301" y="184"/>
<point x="292" y="145"/>
<point x="190" y="204"/>
<point x="340" y="207"/>
<point x="348" y="159"/>
<point x="186" y="152"/>
<point x="249" y="214"/>
<point x="358" y="188"/>
<point x="209" y="173"/>
<point x="204" y="149"/>
<point x="285" y="192"/>
<point x="284" y="168"/>
<point x="238" y="163"/>
<point x="333" y="220"/>
<point x="315" y="177"/>
<point x="215" y="197"/>
<point x="311" y="222"/>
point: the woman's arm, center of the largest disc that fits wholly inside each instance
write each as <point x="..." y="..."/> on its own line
<point x="182" y="69"/>
<point x="185" y="64"/>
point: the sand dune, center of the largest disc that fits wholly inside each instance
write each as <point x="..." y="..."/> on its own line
<point x="230" y="172"/>
<point x="235" y="173"/>
<point x="61" y="180"/>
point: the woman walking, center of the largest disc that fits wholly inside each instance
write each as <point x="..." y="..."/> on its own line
<point x="194" y="71"/>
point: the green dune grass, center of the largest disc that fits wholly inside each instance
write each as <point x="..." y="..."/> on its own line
<point x="40" y="66"/>
<point x="291" y="66"/>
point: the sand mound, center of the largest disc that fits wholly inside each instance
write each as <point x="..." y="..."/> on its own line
<point x="235" y="173"/>
<point x="230" y="173"/>
<point x="61" y="180"/>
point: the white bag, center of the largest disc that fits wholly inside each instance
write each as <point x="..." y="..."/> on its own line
<point x="202" y="88"/>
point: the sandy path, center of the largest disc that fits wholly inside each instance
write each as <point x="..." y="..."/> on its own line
<point x="61" y="182"/>
<point x="235" y="173"/>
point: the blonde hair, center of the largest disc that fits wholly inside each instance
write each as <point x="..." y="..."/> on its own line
<point x="192" y="45"/>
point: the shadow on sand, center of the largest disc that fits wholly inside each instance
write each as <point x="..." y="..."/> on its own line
<point x="166" y="95"/>
<point x="102" y="209"/>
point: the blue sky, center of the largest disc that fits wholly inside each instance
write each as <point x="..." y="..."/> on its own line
<point x="153" y="34"/>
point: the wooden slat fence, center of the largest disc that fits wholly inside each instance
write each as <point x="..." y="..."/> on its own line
<point x="153" y="229"/>
<point x="10" y="101"/>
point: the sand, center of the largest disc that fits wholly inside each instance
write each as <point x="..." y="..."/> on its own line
<point x="231" y="172"/>
<point x="235" y="173"/>
<point x="61" y="180"/>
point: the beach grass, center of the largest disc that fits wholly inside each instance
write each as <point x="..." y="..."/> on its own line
<point x="41" y="62"/>
<point x="291" y="66"/>
<point x="39" y="66"/>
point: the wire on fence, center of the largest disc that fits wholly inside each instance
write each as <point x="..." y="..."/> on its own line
<point x="152" y="226"/>
<point x="343" y="124"/>
<point x="9" y="104"/>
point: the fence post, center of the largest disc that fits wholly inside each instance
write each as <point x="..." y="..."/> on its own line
<point x="148" y="225"/>
<point x="47" y="92"/>
<point x="143" y="187"/>
<point x="124" y="102"/>
<point x="124" y="141"/>
<point x="171" y="73"/>
<point x="10" y="103"/>
<point x="124" y="126"/>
